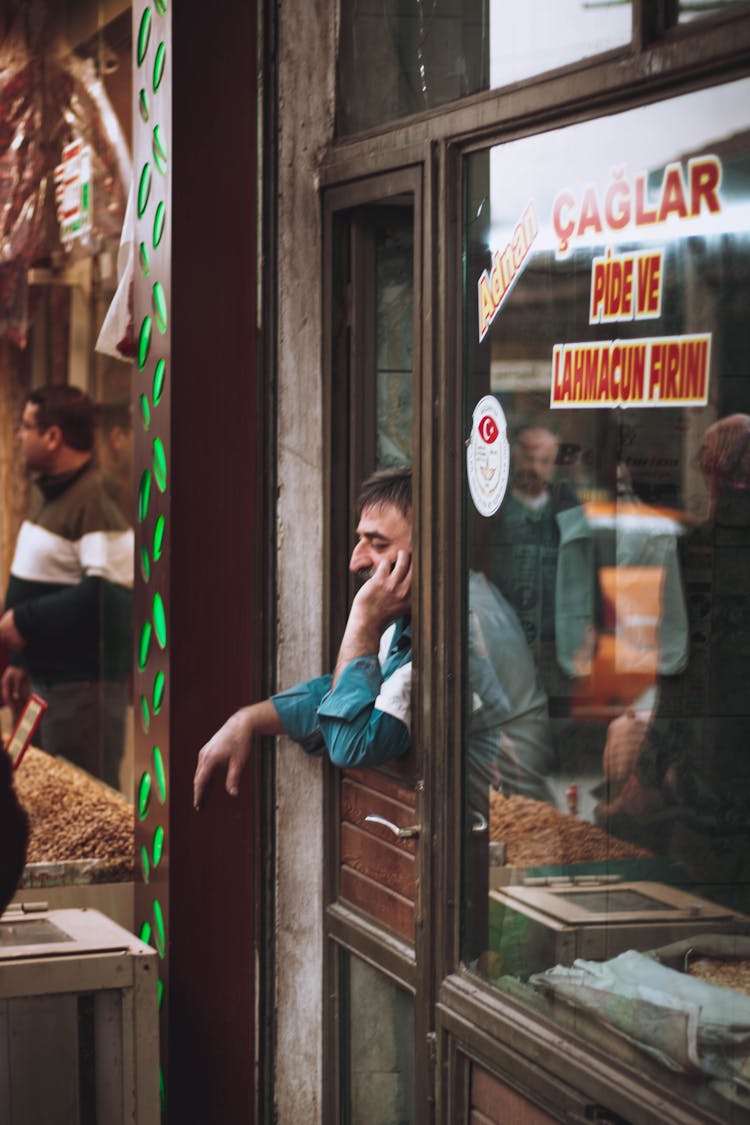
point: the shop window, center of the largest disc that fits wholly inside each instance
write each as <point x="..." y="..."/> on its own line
<point x="606" y="858"/>
<point x="394" y="334"/>
<point x="404" y="57"/>
<point x="377" y="1047"/>
<point x="527" y="39"/>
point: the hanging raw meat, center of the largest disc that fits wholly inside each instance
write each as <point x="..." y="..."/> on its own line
<point x="48" y="101"/>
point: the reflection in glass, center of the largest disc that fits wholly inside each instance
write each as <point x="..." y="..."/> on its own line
<point x="696" y="9"/>
<point x="398" y="58"/>
<point x="612" y="329"/>
<point x="394" y="336"/>
<point x="377" y="1047"/>
<point x="527" y="39"/>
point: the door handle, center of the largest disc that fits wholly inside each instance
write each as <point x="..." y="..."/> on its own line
<point x="481" y="824"/>
<point x="402" y="833"/>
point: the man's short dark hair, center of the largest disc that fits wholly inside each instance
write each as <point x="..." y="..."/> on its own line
<point x="387" y="486"/>
<point x="69" y="408"/>
<point x="14" y="834"/>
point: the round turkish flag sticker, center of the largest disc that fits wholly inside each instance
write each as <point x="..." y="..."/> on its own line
<point x="488" y="456"/>
<point x="488" y="429"/>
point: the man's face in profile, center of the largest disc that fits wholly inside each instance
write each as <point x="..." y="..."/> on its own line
<point x="534" y="459"/>
<point x="33" y="440"/>
<point x="382" y="532"/>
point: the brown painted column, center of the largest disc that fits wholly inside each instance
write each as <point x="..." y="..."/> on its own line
<point x="206" y="481"/>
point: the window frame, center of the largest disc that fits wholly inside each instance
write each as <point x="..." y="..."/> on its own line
<point x="468" y="1019"/>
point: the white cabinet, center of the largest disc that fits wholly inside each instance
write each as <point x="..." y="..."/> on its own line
<point x="79" y="1038"/>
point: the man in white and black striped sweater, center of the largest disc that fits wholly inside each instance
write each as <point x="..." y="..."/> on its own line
<point x="68" y="607"/>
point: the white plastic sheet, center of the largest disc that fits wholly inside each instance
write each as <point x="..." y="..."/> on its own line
<point x="684" y="1022"/>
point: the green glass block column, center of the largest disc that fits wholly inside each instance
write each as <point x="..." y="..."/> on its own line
<point x="152" y="131"/>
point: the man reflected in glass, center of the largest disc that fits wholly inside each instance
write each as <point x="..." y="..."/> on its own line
<point x="68" y="606"/>
<point x="680" y="776"/>
<point x="542" y="563"/>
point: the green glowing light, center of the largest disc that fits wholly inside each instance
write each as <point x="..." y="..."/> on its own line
<point x="144" y="34"/>
<point x="145" y="933"/>
<point x="145" y="866"/>
<point x="159" y="528"/>
<point x="161" y="776"/>
<point x="159" y="149"/>
<point x="159" y="219"/>
<point x="144" y="342"/>
<point x="160" y="683"/>
<point x="144" y="495"/>
<point x="159" y="461"/>
<point x="144" y="189"/>
<point x="159" y="929"/>
<point x="144" y="795"/>
<point x="159" y="618"/>
<point x="145" y="412"/>
<point x="157" y="850"/>
<point x="144" y="645"/>
<point x="160" y="372"/>
<point x="145" y="260"/>
<point x="145" y="713"/>
<point x="159" y="299"/>
<point x="161" y="55"/>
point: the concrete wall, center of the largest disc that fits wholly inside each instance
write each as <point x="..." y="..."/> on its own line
<point x="305" y="109"/>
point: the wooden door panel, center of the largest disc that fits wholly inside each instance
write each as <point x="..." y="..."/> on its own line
<point x="495" y="1103"/>
<point x="378" y="781"/>
<point x="380" y="903"/>
<point x="360" y="799"/>
<point x="385" y="863"/>
<point x="377" y="869"/>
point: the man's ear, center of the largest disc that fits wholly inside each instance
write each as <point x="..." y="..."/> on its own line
<point x="53" y="437"/>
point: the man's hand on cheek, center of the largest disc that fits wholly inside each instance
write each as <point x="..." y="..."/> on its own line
<point x="386" y="596"/>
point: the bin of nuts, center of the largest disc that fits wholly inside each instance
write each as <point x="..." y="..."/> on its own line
<point x="536" y="834"/>
<point x="719" y="959"/>
<point x="77" y="823"/>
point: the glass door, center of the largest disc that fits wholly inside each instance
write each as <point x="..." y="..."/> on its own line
<point x="374" y="840"/>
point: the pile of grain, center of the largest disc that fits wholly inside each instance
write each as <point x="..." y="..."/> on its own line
<point x="731" y="973"/>
<point x="536" y="834"/>
<point x="73" y="816"/>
